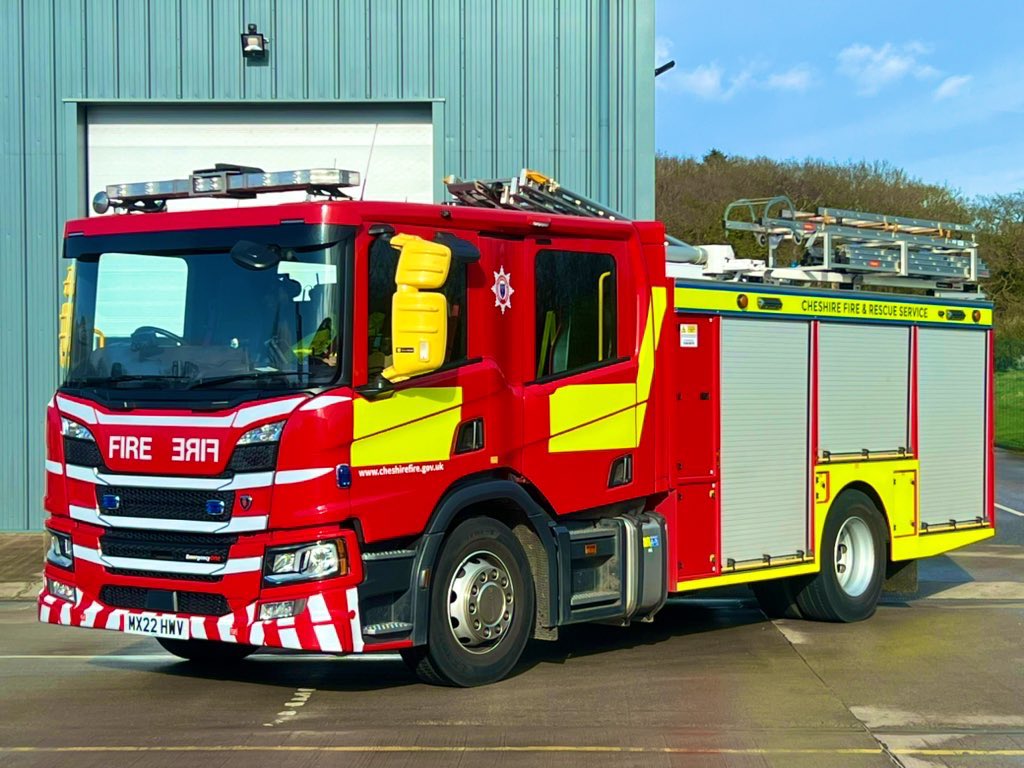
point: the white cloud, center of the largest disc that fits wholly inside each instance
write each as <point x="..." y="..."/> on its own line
<point x="712" y="83"/>
<point x="662" y="50"/>
<point x="871" y="69"/>
<point x="951" y="86"/>
<point x="796" y="78"/>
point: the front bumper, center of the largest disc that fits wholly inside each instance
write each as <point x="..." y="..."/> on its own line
<point x="329" y="622"/>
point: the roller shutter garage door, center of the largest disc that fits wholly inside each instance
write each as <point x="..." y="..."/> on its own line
<point x="391" y="147"/>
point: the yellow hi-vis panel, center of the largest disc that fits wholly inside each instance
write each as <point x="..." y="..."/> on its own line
<point x="413" y="425"/>
<point x="764" y="301"/>
<point x="597" y="417"/>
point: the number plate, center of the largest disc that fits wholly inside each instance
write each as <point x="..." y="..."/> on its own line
<point x="157" y="625"/>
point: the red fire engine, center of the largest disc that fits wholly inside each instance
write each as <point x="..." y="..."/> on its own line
<point x="354" y="427"/>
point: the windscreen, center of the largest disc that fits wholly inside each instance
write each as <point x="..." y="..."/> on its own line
<point x="189" y="320"/>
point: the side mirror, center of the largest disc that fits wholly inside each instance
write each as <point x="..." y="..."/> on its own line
<point x="419" y="318"/>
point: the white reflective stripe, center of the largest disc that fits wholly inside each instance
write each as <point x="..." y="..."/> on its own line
<point x="86" y="474"/>
<point x="324" y="401"/>
<point x="242" y="418"/>
<point x="249" y="480"/>
<point x="256" y="634"/>
<point x="65" y="613"/>
<point x="234" y="525"/>
<point x="114" y="619"/>
<point x="287" y="476"/>
<point x="50" y="403"/>
<point x="236" y="565"/>
<point x="55" y="467"/>
<point x="224" y="628"/>
<point x="287" y="621"/>
<point x="318" y="612"/>
<point x="126" y="420"/>
<point x="86" y="515"/>
<point x="289" y="638"/>
<point x="254" y="413"/>
<point x="238" y="482"/>
<point x="89" y="615"/>
<point x="49" y="599"/>
<point x="44" y="614"/>
<point x="84" y="413"/>
<point x="352" y="597"/>
<point x="88" y="554"/>
<point x="198" y="627"/>
<point x="327" y="636"/>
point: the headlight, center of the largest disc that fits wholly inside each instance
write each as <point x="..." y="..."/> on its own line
<point x="60" y="552"/>
<point x="268" y="433"/>
<point x="305" y="562"/>
<point x="70" y="428"/>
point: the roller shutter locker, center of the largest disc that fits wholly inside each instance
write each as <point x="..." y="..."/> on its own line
<point x="951" y="380"/>
<point x="764" y="446"/>
<point x="863" y="388"/>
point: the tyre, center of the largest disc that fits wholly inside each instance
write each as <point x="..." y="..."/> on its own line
<point x="777" y="598"/>
<point x="481" y="607"/>
<point x="206" y="651"/>
<point x="853" y="557"/>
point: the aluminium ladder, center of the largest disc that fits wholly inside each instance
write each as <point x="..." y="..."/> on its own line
<point x="861" y="248"/>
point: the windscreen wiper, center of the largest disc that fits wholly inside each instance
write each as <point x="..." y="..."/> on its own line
<point x="99" y="381"/>
<point x="251" y="375"/>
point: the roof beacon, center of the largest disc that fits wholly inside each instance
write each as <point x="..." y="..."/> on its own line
<point x="223" y="180"/>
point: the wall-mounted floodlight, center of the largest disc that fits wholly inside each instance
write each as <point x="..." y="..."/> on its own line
<point x="254" y="44"/>
<point x="664" y="68"/>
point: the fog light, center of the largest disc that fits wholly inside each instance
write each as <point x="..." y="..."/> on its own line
<point x="61" y="590"/>
<point x="283" y="610"/>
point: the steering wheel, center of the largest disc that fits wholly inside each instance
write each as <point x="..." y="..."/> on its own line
<point x="144" y="337"/>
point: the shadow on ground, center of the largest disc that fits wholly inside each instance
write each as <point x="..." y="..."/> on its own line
<point x="362" y="673"/>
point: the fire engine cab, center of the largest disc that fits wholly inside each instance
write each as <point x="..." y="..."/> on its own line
<point x="352" y="427"/>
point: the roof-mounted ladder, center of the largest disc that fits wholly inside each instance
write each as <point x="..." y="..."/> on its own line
<point x="533" y="191"/>
<point x="842" y="246"/>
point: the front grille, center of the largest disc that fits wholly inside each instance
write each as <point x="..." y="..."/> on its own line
<point x="261" y="457"/>
<point x="163" y="503"/>
<point x="161" y="575"/>
<point x="84" y="453"/>
<point x="140" y="599"/>
<point x="175" y="547"/>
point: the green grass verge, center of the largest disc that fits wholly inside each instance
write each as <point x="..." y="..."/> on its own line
<point x="1010" y="410"/>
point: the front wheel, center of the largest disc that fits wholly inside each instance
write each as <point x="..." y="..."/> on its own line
<point x="481" y="607"/>
<point x="207" y="651"/>
<point x="852" y="563"/>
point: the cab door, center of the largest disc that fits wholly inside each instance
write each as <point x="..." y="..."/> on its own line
<point x="581" y="421"/>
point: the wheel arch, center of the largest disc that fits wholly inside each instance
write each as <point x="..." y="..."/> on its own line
<point x="876" y="498"/>
<point x="503" y="497"/>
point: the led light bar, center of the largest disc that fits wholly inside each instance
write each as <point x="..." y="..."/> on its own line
<point x="230" y="181"/>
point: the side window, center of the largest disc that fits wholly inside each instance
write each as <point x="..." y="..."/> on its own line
<point x="383" y="265"/>
<point x="576" y="310"/>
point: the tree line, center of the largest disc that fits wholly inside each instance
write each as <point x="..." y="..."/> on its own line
<point x="692" y="194"/>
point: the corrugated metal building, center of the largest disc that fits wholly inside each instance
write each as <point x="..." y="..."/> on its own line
<point x="404" y="91"/>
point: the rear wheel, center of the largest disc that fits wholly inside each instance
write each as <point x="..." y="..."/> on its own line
<point x="481" y="607"/>
<point x="852" y="563"/>
<point x="206" y="651"/>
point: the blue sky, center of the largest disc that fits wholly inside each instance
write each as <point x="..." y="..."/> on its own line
<point x="936" y="88"/>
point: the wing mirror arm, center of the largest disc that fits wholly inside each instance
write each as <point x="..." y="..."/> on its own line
<point x="378" y="389"/>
